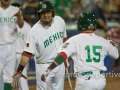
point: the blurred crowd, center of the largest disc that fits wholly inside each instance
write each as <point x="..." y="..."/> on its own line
<point x="70" y="9"/>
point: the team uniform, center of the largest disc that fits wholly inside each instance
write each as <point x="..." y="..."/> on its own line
<point x="7" y="43"/>
<point x="88" y="57"/>
<point x="20" y="44"/>
<point x="43" y="42"/>
<point x="88" y="52"/>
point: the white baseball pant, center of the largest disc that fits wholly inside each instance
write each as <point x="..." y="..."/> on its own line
<point x="1" y="81"/>
<point x="9" y="57"/>
<point x="3" y="55"/>
<point x="54" y="81"/>
<point x="95" y="81"/>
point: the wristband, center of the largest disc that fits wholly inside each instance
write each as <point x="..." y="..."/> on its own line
<point x="52" y="66"/>
<point x="20" y="68"/>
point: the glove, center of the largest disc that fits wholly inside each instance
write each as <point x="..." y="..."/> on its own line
<point x="45" y="74"/>
<point x="16" y="78"/>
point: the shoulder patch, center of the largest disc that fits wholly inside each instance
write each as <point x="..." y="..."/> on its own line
<point x="65" y="45"/>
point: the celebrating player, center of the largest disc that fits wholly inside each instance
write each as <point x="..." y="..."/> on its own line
<point x="10" y="17"/>
<point x="88" y="52"/>
<point x="20" y="43"/>
<point x="43" y="41"/>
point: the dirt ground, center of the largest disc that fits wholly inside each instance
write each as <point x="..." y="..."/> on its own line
<point x="113" y="83"/>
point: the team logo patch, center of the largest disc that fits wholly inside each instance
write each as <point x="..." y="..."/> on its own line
<point x="44" y="6"/>
<point x="27" y="44"/>
<point x="65" y="45"/>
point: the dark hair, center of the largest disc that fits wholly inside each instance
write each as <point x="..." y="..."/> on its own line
<point x="15" y="4"/>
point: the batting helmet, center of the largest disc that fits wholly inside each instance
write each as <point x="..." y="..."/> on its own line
<point x="45" y="6"/>
<point x="86" y="21"/>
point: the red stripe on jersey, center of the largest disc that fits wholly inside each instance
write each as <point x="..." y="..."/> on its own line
<point x="63" y="54"/>
<point x="29" y="55"/>
<point x="65" y="39"/>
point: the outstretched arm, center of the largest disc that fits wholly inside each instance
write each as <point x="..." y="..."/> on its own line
<point x="58" y="60"/>
<point x="65" y="52"/>
<point x="18" y="74"/>
<point x="24" y="60"/>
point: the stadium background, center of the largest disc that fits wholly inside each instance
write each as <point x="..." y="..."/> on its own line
<point x="74" y="7"/>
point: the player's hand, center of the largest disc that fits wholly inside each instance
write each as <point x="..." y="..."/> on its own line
<point x="16" y="78"/>
<point x="18" y="14"/>
<point x="111" y="41"/>
<point x="45" y="74"/>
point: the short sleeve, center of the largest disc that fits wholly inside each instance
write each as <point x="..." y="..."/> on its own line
<point x="64" y="32"/>
<point x="68" y="47"/>
<point x="30" y="44"/>
<point x="28" y="28"/>
<point x="112" y="51"/>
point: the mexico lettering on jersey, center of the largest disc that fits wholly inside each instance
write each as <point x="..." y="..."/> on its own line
<point x="8" y="20"/>
<point x="21" y="35"/>
<point x="55" y="37"/>
<point x="88" y="51"/>
<point x="44" y="41"/>
<point x="8" y="24"/>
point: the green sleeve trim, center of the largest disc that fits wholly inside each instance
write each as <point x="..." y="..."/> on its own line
<point x="59" y="59"/>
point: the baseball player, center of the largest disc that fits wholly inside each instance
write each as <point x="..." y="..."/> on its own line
<point x="88" y="52"/>
<point x="43" y="41"/>
<point x="20" y="43"/>
<point x="9" y="18"/>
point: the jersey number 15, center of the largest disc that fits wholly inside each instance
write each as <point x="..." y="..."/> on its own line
<point x="94" y="51"/>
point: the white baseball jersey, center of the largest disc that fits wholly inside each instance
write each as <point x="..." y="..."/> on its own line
<point x="8" y="24"/>
<point x="88" y="51"/>
<point x="45" y="38"/>
<point x="22" y="36"/>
